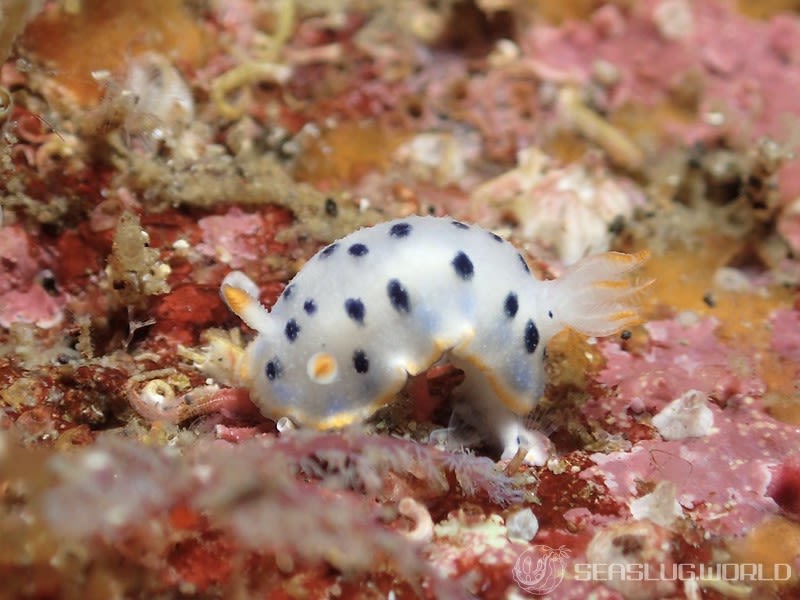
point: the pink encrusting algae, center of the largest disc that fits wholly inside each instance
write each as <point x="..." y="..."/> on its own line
<point x="23" y="297"/>
<point x="678" y="356"/>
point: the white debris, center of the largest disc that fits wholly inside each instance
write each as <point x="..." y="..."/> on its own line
<point x="624" y="548"/>
<point x="685" y="417"/>
<point x="674" y="19"/>
<point x="659" y="506"/>
<point x="419" y="515"/>
<point x="438" y="157"/>
<point x="571" y="211"/>
<point x="159" y="90"/>
<point x="522" y="525"/>
<point x="732" y="280"/>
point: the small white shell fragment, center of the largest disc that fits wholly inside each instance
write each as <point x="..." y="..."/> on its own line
<point x="440" y="157"/>
<point x="158" y="394"/>
<point x="159" y="90"/>
<point x="659" y="506"/>
<point x="685" y="417"/>
<point x="522" y="525"/>
<point x="97" y="460"/>
<point x="418" y="513"/>
<point x="634" y="545"/>
<point x="674" y="19"/>
<point x="284" y="424"/>
<point x="732" y="280"/>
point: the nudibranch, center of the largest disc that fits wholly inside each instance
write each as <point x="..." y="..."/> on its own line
<point x="387" y="302"/>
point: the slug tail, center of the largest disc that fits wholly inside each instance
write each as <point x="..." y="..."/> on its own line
<point x="597" y="297"/>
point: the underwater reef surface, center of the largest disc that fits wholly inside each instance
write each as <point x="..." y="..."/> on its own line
<point x="149" y="148"/>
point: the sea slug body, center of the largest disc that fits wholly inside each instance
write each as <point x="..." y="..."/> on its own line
<point x="389" y="301"/>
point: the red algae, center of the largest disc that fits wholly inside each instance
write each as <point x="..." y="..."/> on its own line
<point x="23" y="297"/>
<point x="722" y="479"/>
<point x="197" y="561"/>
<point x="569" y="496"/>
<point x="736" y="63"/>
<point x="19" y="264"/>
<point x="234" y="238"/>
<point x="785" y="487"/>
<point x="160" y="488"/>
<point x="79" y="258"/>
<point x="785" y="327"/>
<point x="679" y="357"/>
<point x="715" y="40"/>
<point x="187" y="310"/>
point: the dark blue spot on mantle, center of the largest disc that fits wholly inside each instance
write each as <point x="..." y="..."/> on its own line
<point x="273" y="370"/>
<point x="511" y="305"/>
<point x="291" y="330"/>
<point x="355" y="310"/>
<point x="400" y="230"/>
<point x="531" y="337"/>
<point x="360" y="361"/>
<point x="463" y="266"/>
<point x="398" y="296"/>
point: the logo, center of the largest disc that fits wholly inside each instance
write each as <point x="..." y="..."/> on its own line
<point x="540" y="569"/>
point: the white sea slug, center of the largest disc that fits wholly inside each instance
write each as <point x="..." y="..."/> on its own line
<point x="389" y="301"/>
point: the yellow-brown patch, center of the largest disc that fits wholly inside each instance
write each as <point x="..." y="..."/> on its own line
<point x="322" y="367"/>
<point x="236" y="298"/>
